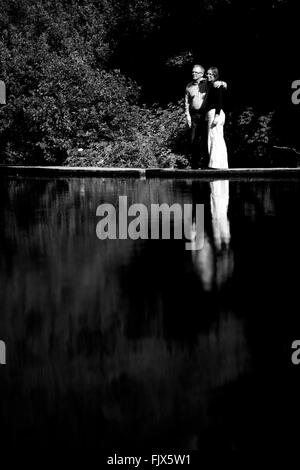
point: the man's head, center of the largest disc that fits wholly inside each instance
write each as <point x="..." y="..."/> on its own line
<point x="198" y="72"/>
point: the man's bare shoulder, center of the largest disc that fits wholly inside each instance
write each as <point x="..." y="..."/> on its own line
<point x="189" y="85"/>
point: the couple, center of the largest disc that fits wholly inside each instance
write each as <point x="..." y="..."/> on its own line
<point x="205" y="117"/>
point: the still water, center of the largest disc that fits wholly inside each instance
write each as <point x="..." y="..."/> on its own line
<point x="141" y="343"/>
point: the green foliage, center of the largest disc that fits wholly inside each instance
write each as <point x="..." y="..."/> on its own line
<point x="59" y="94"/>
<point x="68" y="104"/>
<point x="62" y="109"/>
<point x="156" y="138"/>
<point x="249" y="135"/>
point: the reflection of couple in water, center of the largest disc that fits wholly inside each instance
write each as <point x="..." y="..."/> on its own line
<point x="219" y="202"/>
<point x="214" y="260"/>
<point x="205" y="117"/>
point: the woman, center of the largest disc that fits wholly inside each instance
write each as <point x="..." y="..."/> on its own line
<point x="215" y="116"/>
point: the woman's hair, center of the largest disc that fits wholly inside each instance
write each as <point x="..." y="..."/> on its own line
<point x="215" y="71"/>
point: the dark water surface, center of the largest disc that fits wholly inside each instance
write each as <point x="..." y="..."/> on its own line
<point x="143" y="344"/>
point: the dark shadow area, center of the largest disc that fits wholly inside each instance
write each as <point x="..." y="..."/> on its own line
<point x="123" y="344"/>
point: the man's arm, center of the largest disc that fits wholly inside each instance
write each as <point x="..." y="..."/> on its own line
<point x="219" y="83"/>
<point x="187" y="108"/>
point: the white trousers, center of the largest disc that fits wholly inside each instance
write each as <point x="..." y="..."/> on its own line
<point x="219" y="201"/>
<point x="217" y="150"/>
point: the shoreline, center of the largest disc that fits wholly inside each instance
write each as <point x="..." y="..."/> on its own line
<point x="19" y="170"/>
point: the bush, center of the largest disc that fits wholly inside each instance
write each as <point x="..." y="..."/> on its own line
<point x="72" y="105"/>
<point x="249" y="137"/>
<point x="155" y="138"/>
<point x="64" y="105"/>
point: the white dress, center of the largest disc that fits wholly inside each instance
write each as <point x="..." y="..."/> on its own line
<point x="219" y="202"/>
<point x="217" y="149"/>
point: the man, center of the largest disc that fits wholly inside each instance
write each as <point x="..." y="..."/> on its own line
<point x="195" y="97"/>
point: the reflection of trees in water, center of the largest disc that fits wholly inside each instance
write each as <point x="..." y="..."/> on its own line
<point x="116" y="329"/>
<point x="176" y="377"/>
